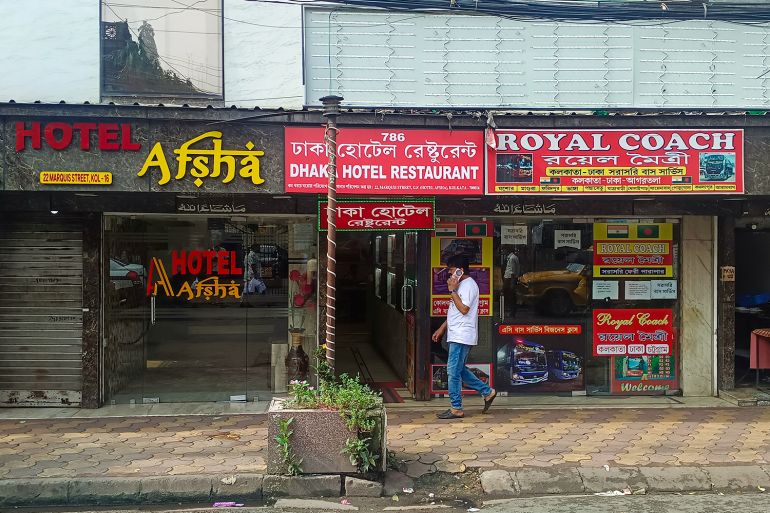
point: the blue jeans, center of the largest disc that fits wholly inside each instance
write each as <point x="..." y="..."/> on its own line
<point x="458" y="374"/>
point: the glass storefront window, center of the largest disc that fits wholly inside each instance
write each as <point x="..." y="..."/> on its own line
<point x="204" y="308"/>
<point x="556" y="279"/>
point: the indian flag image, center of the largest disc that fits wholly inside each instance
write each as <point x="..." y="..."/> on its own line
<point x="681" y="179"/>
<point x="617" y="231"/>
<point x="446" y="230"/>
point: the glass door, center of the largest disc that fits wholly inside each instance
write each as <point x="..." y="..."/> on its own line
<point x="176" y="323"/>
<point x="200" y="309"/>
<point x="409" y="307"/>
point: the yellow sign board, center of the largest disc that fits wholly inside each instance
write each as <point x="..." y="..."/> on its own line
<point x="75" y="178"/>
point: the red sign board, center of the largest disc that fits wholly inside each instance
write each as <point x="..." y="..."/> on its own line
<point x="615" y="162"/>
<point x="379" y="215"/>
<point x="540" y="329"/>
<point x="387" y="161"/>
<point x="626" y="332"/>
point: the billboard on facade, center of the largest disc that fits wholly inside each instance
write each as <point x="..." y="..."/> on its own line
<point x="377" y="161"/>
<point x="557" y="162"/>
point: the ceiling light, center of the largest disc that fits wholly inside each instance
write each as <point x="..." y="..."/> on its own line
<point x="663" y="6"/>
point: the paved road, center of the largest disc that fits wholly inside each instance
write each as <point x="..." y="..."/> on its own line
<point x="638" y="504"/>
<point x="751" y="503"/>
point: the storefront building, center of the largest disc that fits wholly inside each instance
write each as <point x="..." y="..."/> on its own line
<point x="614" y="227"/>
<point x="172" y="255"/>
<point x="129" y="238"/>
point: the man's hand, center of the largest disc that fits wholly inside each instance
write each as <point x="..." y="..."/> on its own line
<point x="453" y="282"/>
<point x="439" y="333"/>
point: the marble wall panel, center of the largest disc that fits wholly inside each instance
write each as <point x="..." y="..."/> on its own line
<point x="697" y="307"/>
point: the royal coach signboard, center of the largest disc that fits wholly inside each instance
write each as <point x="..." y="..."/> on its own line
<point x="557" y="162"/>
<point x="379" y="161"/>
<point x="633" y="332"/>
<point x="362" y="215"/>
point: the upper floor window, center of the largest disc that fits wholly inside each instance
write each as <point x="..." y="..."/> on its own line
<point x="166" y="48"/>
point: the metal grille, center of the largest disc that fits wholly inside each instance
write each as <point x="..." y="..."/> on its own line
<point x="41" y="316"/>
<point x="434" y="60"/>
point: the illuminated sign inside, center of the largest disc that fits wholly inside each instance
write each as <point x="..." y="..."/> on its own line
<point x="214" y="264"/>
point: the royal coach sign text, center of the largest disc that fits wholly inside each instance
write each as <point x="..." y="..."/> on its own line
<point x="615" y="161"/>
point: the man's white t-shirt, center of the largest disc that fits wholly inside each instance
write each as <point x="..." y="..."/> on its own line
<point x="463" y="329"/>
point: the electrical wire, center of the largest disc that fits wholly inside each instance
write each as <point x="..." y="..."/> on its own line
<point x="569" y="10"/>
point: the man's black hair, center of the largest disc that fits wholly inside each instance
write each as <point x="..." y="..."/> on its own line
<point x="459" y="261"/>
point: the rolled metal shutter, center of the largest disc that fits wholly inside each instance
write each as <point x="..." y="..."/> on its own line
<point x="41" y="311"/>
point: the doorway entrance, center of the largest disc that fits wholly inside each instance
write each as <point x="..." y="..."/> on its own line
<point x="379" y="302"/>
<point x="198" y="308"/>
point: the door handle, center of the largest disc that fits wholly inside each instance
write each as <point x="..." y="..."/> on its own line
<point x="407" y="298"/>
<point x="502" y="307"/>
<point x="152" y="310"/>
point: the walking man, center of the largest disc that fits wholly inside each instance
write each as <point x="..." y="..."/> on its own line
<point x="461" y="327"/>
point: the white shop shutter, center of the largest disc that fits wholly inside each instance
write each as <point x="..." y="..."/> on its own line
<point x="41" y="311"/>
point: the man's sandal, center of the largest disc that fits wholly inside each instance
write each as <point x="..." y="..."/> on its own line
<point x="488" y="401"/>
<point x="449" y="415"/>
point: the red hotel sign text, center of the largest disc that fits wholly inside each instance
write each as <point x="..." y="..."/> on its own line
<point x="60" y="135"/>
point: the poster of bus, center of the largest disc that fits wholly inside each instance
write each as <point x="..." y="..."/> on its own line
<point x="540" y="358"/>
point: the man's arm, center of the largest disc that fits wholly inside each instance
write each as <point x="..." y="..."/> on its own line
<point x="462" y="307"/>
<point x="439" y="333"/>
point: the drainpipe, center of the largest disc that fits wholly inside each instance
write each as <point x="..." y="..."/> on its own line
<point x="331" y="105"/>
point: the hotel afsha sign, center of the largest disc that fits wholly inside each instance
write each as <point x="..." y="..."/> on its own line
<point x="135" y="155"/>
<point x="557" y="162"/>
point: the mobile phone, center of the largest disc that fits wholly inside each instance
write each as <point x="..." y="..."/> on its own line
<point x="458" y="273"/>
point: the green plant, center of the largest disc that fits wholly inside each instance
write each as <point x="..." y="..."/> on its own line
<point x="360" y="453"/>
<point x="293" y="465"/>
<point x="355" y="401"/>
<point x="305" y="396"/>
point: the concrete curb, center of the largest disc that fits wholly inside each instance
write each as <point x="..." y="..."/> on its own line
<point x="182" y="488"/>
<point x="495" y="483"/>
<point x="590" y="480"/>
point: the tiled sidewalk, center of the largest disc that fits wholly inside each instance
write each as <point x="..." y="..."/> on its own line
<point x="151" y="446"/>
<point x="587" y="437"/>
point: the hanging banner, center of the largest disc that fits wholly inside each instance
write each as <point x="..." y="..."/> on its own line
<point x="615" y="162"/>
<point x="388" y="215"/>
<point x="478" y="251"/>
<point x="630" y="250"/>
<point x="633" y="332"/>
<point x="387" y="161"/>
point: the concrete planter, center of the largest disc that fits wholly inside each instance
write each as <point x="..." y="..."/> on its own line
<point x="319" y="439"/>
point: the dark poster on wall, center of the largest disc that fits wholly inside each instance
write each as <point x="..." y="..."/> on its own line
<point x="540" y="358"/>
